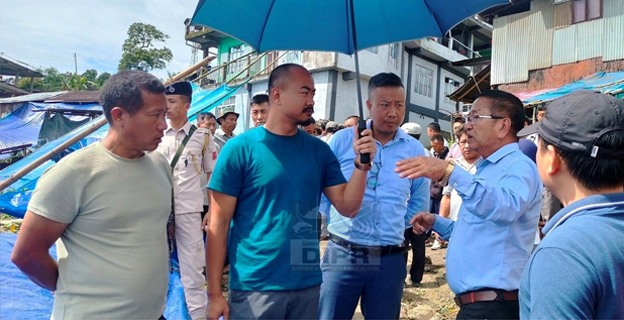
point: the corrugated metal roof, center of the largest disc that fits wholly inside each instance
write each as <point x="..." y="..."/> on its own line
<point x="35" y="97"/>
<point x="77" y="97"/>
<point x="613" y="17"/>
<point x="564" y="45"/>
<point x="541" y="28"/>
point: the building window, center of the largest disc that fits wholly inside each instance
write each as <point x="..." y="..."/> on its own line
<point x="585" y="10"/>
<point x="450" y="86"/>
<point x="423" y="81"/>
<point x="235" y="53"/>
<point x="393" y="54"/>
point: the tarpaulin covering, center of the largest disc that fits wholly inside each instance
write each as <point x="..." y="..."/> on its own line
<point x="20" y="298"/>
<point x="14" y="199"/>
<point x="612" y="82"/>
<point x="21" y="128"/>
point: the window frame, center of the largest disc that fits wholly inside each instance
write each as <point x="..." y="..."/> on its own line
<point x="573" y="11"/>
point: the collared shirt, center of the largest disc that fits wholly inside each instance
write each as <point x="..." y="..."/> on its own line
<point x="454" y="152"/>
<point x="494" y="233"/>
<point x="220" y="138"/>
<point x="389" y="201"/>
<point x="188" y="192"/>
<point x="455" y="199"/>
<point x="576" y="272"/>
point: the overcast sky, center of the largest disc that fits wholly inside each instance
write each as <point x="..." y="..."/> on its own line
<point x="47" y="33"/>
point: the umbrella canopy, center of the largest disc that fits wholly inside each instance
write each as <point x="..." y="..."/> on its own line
<point x="327" y="25"/>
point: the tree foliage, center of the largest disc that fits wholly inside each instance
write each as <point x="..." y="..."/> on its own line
<point x="54" y="80"/>
<point x="139" y="51"/>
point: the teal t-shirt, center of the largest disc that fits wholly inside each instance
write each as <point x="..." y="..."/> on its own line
<point x="278" y="181"/>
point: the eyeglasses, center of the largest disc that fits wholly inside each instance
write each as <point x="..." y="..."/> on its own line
<point x="371" y="182"/>
<point x="473" y="118"/>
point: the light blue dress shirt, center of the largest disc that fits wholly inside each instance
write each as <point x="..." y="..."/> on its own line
<point x="389" y="201"/>
<point x="495" y="229"/>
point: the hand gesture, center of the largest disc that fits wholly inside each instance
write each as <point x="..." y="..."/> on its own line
<point x="423" y="166"/>
<point x="365" y="144"/>
<point x="422" y="222"/>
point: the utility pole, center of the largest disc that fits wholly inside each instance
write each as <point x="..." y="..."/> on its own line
<point x="76" y="63"/>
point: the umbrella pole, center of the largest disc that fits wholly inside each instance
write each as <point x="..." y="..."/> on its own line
<point x="364" y="157"/>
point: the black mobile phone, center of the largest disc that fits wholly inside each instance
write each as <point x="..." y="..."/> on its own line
<point x="364" y="157"/>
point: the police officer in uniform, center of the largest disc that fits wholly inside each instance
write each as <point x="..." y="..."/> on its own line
<point x="197" y="158"/>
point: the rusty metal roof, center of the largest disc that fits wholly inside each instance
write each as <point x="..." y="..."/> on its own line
<point x="77" y="97"/>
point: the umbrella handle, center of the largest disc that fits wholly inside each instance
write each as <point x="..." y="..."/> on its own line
<point x="364" y="157"/>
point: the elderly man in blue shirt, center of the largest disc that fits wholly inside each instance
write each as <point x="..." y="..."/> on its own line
<point x="494" y="233"/>
<point x="364" y="257"/>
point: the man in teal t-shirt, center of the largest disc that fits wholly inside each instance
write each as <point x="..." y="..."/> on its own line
<point x="267" y="183"/>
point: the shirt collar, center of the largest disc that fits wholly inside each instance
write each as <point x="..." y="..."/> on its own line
<point x="583" y="204"/>
<point x="400" y="134"/>
<point x="502" y="152"/>
<point x="186" y="128"/>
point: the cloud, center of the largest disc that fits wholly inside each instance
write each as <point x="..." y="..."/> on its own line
<point x="48" y="33"/>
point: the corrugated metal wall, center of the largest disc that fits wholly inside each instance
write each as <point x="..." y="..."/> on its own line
<point x="589" y="39"/>
<point x="543" y="37"/>
<point x="563" y="14"/>
<point x="613" y="17"/>
<point x="564" y="45"/>
<point x="540" y="32"/>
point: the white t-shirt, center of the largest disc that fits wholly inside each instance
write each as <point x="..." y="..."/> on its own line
<point x="113" y="255"/>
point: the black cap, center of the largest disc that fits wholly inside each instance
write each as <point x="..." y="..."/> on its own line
<point x="575" y="121"/>
<point x="182" y="88"/>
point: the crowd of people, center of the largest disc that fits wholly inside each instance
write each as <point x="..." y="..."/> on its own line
<point x="251" y="204"/>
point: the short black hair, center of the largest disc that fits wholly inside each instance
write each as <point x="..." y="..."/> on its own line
<point x="260" y="99"/>
<point x="595" y="173"/>
<point x="435" y="127"/>
<point x="206" y="115"/>
<point x="281" y="75"/>
<point x="459" y="120"/>
<point x="506" y="104"/>
<point x="437" y="137"/>
<point x="353" y="117"/>
<point x="541" y="107"/>
<point x="123" y="90"/>
<point x="384" y="79"/>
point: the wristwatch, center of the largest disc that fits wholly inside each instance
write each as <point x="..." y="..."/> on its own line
<point x="447" y="173"/>
<point x="360" y="166"/>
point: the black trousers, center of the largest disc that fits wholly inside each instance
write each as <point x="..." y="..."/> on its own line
<point x="490" y="310"/>
<point x="418" y="254"/>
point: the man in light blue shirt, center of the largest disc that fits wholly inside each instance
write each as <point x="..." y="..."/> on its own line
<point x="495" y="229"/>
<point x="364" y="257"/>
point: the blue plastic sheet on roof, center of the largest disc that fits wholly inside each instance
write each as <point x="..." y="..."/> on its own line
<point x="604" y="82"/>
<point x="20" y="298"/>
<point x="14" y="200"/>
<point x="21" y="127"/>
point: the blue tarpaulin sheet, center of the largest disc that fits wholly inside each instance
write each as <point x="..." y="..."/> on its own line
<point x="14" y="199"/>
<point x="605" y="82"/>
<point x="20" y="298"/>
<point x="21" y="127"/>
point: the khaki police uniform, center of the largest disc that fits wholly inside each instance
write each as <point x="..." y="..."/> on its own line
<point x="198" y="158"/>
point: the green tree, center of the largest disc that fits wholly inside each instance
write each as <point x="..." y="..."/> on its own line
<point x="102" y="78"/>
<point x="139" y="51"/>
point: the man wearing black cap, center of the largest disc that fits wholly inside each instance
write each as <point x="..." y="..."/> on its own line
<point x="196" y="157"/>
<point x="577" y="271"/>
<point x="227" y="119"/>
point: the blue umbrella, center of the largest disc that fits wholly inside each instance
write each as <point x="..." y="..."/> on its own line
<point x="328" y="25"/>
